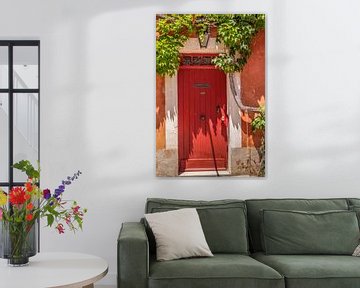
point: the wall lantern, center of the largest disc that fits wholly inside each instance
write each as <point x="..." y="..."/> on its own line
<point x="204" y="39"/>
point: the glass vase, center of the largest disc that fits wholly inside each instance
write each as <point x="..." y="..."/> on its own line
<point x="18" y="242"/>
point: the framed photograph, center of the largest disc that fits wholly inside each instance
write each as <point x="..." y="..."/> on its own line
<point x="210" y="95"/>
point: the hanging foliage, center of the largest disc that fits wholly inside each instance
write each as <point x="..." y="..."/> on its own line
<point x="172" y="31"/>
<point x="234" y="31"/>
<point x="259" y="124"/>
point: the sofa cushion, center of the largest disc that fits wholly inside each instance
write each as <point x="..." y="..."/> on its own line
<point x="222" y="270"/>
<point x="313" y="271"/>
<point x="356" y="209"/>
<point x="254" y="207"/>
<point x="297" y="232"/>
<point x="354" y="205"/>
<point x="223" y="221"/>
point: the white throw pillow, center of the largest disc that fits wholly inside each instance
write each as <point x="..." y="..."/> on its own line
<point x="178" y="234"/>
<point x="357" y="251"/>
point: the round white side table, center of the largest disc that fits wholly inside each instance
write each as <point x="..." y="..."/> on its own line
<point x="50" y="270"/>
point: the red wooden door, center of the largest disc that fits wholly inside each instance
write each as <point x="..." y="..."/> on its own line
<point x="203" y="141"/>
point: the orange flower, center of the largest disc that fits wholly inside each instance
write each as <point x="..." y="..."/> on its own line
<point x="29" y="187"/>
<point x="27" y="196"/>
<point x="29" y="217"/>
<point x="29" y="206"/>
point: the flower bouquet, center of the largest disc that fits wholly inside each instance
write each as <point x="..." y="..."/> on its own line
<point x="21" y="208"/>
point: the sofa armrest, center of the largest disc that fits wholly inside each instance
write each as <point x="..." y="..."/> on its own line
<point x="133" y="256"/>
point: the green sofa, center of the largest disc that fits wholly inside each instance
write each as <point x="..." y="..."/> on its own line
<point x="233" y="230"/>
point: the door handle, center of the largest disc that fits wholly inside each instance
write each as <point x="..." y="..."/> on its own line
<point x="202" y="117"/>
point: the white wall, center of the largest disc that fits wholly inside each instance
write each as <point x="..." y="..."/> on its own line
<point x="98" y="105"/>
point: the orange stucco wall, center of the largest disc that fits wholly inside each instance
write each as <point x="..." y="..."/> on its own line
<point x="253" y="87"/>
<point x="160" y="112"/>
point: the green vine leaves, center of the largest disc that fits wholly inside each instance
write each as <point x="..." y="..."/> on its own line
<point x="234" y="31"/>
<point x="172" y="31"/>
<point x="258" y="123"/>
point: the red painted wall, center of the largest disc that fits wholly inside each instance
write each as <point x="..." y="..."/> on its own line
<point x="160" y="112"/>
<point x="253" y="87"/>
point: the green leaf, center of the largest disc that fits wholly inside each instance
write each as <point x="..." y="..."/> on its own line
<point x="50" y="219"/>
<point x="52" y="211"/>
<point x="28" y="168"/>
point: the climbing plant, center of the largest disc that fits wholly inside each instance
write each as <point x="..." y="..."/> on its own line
<point x="258" y="124"/>
<point x="234" y="31"/>
<point x="172" y="31"/>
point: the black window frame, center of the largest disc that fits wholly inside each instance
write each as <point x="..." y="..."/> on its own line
<point x="10" y="91"/>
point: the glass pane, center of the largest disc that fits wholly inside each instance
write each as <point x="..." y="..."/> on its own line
<point x="4" y="67"/>
<point x="4" y="137"/>
<point x="5" y="189"/>
<point x="26" y="67"/>
<point x="26" y="130"/>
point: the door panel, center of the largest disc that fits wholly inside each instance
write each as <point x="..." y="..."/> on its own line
<point x="202" y="119"/>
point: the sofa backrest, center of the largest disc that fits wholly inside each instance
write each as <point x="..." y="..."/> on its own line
<point x="353" y="202"/>
<point x="223" y="221"/>
<point x="256" y="205"/>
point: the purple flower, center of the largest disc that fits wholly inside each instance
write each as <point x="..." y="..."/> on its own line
<point x="58" y="192"/>
<point x="46" y="194"/>
<point x="68" y="181"/>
